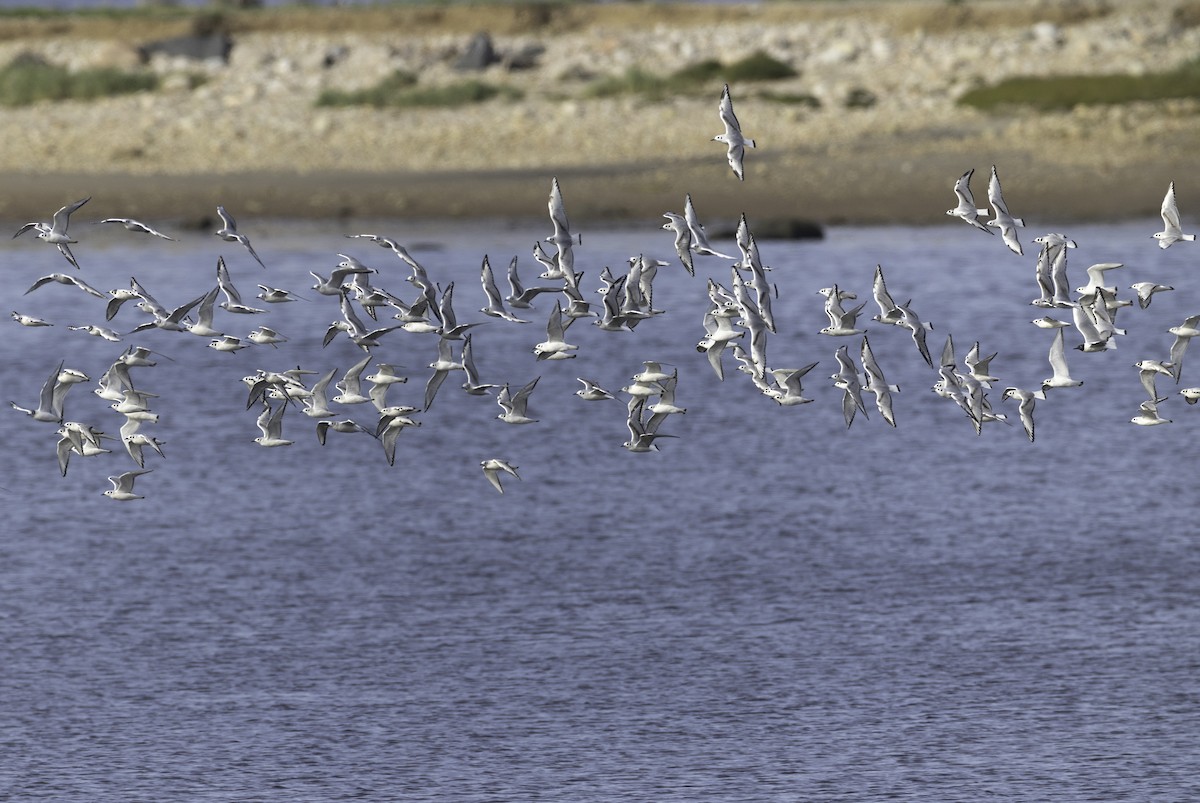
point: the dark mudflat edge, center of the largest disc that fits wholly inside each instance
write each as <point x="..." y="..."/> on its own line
<point x="866" y="191"/>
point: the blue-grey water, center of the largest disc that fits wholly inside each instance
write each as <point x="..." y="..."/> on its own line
<point x="771" y="608"/>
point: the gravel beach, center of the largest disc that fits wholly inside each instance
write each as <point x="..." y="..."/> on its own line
<point x="251" y="136"/>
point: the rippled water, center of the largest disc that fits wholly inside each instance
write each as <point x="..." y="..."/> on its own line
<point x="772" y="608"/>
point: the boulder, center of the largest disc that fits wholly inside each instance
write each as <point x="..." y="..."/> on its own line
<point x="524" y="59"/>
<point x="479" y="53"/>
<point x="213" y="46"/>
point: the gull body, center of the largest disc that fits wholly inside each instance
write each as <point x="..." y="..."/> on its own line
<point x="136" y="226"/>
<point x="203" y="327"/>
<point x="889" y="312"/>
<point x="683" y="240"/>
<point x="395" y="247"/>
<point x="346" y="426"/>
<point x="351" y="385"/>
<point x="122" y="490"/>
<point x="1147" y="370"/>
<point x="229" y="233"/>
<point x="843" y="325"/>
<point x="1148" y="415"/>
<point x="700" y="242"/>
<point x="1146" y="290"/>
<point x="492" y="468"/>
<point x="29" y="320"/>
<point x="50" y="401"/>
<point x="966" y="209"/>
<point x="233" y="299"/>
<point x="227" y="343"/>
<point x="102" y="332"/>
<point x="472" y="385"/>
<point x="1001" y="218"/>
<point x="442" y="366"/>
<point x="642" y="434"/>
<point x="1026" y="400"/>
<point x="136" y="442"/>
<point x="1061" y="377"/>
<point x="665" y="405"/>
<point x="389" y="430"/>
<point x="266" y="336"/>
<point x="877" y="384"/>
<point x="277" y="295"/>
<point x="561" y="238"/>
<point x="555" y="347"/>
<point x="495" y="304"/>
<point x="62" y="278"/>
<point x="333" y="286"/>
<point x="1172" y="231"/>
<point x="316" y="405"/>
<point x="1049" y="323"/>
<point x="55" y="232"/>
<point x="733" y="139"/>
<point x="847" y="380"/>
<point x="519" y="296"/>
<point x="170" y="321"/>
<point x="451" y="329"/>
<point x="515" y="406"/>
<point x="591" y="391"/>
<point x="918" y="329"/>
<point x="270" y="423"/>
<point x="788" y="381"/>
<point x="1183" y="335"/>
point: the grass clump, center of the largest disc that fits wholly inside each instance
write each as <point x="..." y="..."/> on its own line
<point x="792" y="99"/>
<point x="1065" y="92"/>
<point x="29" y="80"/>
<point x="382" y="94"/>
<point x="399" y="91"/>
<point x="757" y="66"/>
<point x="702" y="72"/>
<point x="859" y="98"/>
<point x="634" y="81"/>
<point x="460" y="94"/>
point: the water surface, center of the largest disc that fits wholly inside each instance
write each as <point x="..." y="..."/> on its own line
<point x="771" y="608"/>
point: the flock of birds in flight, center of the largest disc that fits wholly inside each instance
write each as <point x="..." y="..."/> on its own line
<point x="738" y="320"/>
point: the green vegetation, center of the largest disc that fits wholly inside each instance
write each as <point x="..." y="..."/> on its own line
<point x="1065" y="92"/>
<point x="792" y="99"/>
<point x="399" y="90"/>
<point x="757" y="66"/>
<point x="29" y="80"/>
<point x="859" y="98"/>
<point x="382" y="94"/>
<point x="634" y="81"/>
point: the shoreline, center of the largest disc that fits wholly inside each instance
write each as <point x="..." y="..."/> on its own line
<point x="864" y="189"/>
<point x="251" y="136"/>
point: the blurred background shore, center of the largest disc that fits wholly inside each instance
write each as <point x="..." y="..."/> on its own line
<point x="864" y="112"/>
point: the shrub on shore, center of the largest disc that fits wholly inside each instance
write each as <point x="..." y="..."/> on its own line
<point x="29" y="80"/>
<point x="1060" y="93"/>
<point x="399" y="90"/>
<point x="758" y="66"/>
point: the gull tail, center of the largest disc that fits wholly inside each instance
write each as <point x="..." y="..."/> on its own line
<point x="751" y="144"/>
<point x="1188" y="237"/>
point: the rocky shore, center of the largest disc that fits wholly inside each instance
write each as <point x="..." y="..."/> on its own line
<point x="250" y="134"/>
